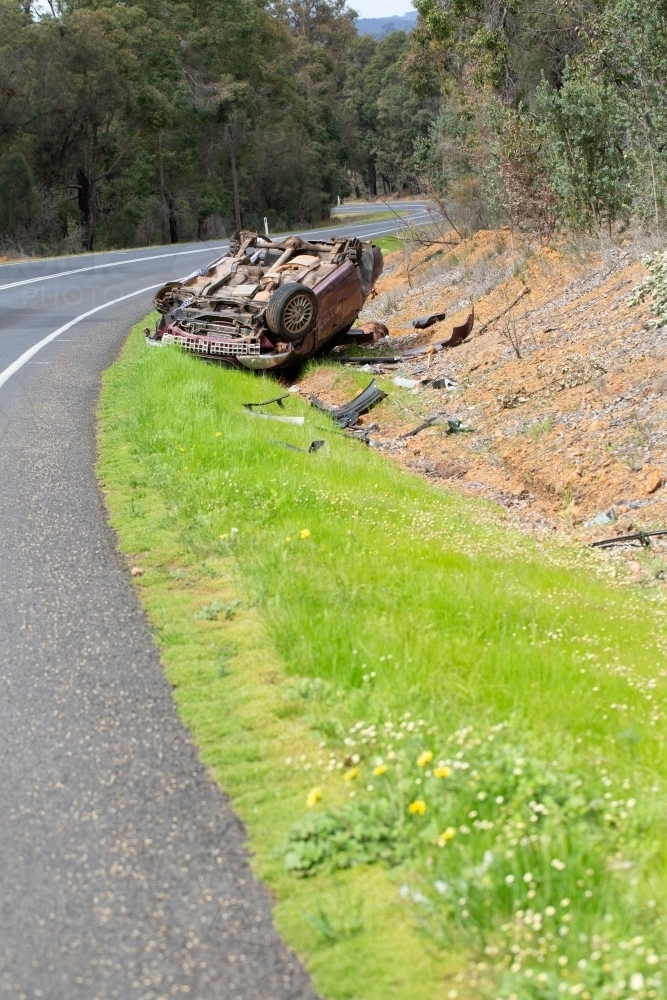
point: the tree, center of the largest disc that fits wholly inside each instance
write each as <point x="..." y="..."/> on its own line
<point x="17" y="196"/>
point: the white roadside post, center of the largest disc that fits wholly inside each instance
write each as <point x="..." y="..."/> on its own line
<point x="266" y="225"/>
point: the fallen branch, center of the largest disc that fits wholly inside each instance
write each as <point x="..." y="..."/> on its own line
<point x="524" y="291"/>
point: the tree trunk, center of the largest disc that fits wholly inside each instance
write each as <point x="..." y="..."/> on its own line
<point x="163" y="203"/>
<point x="231" y="133"/>
<point x="173" y="220"/>
<point x="372" y="178"/>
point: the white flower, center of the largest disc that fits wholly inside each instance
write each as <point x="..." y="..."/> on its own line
<point x="509" y="879"/>
<point x="636" y="981"/>
<point x="558" y="865"/>
<point x="528" y="877"/>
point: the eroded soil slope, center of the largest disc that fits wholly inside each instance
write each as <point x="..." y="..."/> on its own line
<point x="564" y="396"/>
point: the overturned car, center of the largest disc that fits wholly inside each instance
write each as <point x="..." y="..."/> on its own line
<point x="269" y="303"/>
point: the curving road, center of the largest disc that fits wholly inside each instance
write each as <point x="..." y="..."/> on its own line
<point x="123" y="871"/>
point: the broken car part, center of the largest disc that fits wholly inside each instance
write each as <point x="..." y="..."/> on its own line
<point x="312" y="447"/>
<point x="643" y="537"/>
<point x="299" y="421"/>
<point x="348" y="414"/>
<point x="267" y="402"/>
<point x="390" y="360"/>
<point x="422" y="322"/>
<point x="459" y="334"/>
<point x="269" y="303"/>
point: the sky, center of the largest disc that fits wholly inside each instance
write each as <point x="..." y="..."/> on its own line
<point x="380" y="8"/>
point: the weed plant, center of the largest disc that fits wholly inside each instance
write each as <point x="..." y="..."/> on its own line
<point x="490" y="712"/>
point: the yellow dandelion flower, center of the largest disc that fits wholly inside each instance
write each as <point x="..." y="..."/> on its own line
<point x="314" y="796"/>
<point x="304" y="533"/>
<point x="418" y="807"/>
<point x="445" y="837"/>
<point x="218" y="434"/>
<point x="351" y="774"/>
<point x="289" y="538"/>
<point x="441" y="772"/>
<point x="424" y="758"/>
<point x="380" y="769"/>
<point x="181" y="449"/>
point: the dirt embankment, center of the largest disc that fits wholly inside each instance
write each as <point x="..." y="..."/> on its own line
<point x="566" y="396"/>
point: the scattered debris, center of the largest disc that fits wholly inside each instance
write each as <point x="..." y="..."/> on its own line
<point x="436" y="418"/>
<point x="454" y="426"/>
<point x="136" y="571"/>
<point x="643" y="537"/>
<point x="457" y="427"/>
<point x="606" y="517"/>
<point x="422" y="322"/>
<point x="312" y="447"/>
<point x="444" y="382"/>
<point x="299" y="421"/>
<point x="459" y="334"/>
<point x="405" y="383"/>
<point x="390" y="360"/>
<point x="267" y="402"/>
<point x="462" y="332"/>
<point x="348" y="414"/>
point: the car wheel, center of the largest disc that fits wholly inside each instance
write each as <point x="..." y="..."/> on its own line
<point x="292" y="311"/>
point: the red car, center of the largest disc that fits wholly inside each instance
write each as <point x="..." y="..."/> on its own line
<point x="269" y="303"/>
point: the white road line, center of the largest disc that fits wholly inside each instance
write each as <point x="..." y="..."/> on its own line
<point x="178" y="253"/>
<point x="97" y="267"/>
<point x="30" y="353"/>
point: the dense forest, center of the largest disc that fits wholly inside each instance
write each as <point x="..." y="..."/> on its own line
<point x="150" y="121"/>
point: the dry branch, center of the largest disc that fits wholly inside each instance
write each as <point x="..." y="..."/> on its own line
<point x="524" y="291"/>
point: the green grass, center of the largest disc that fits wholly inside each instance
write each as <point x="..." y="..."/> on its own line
<point x="366" y="594"/>
<point x="388" y="243"/>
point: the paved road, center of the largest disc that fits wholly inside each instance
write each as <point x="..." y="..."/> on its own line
<point x="122" y="867"/>
<point x="404" y="208"/>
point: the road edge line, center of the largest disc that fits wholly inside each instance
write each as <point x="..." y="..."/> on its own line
<point x="30" y="353"/>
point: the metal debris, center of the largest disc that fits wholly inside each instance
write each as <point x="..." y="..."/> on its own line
<point x="422" y="322"/>
<point x="643" y="537"/>
<point x="312" y="447"/>
<point x="267" y="402"/>
<point x="299" y="421"/>
<point x="392" y="359"/>
<point x="348" y="414"/>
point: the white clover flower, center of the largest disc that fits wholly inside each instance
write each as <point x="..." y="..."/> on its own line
<point x="636" y="982"/>
<point x="528" y="877"/>
<point x="558" y="864"/>
<point x="509" y="879"/>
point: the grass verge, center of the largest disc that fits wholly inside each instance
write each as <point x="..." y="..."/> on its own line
<point x="445" y="738"/>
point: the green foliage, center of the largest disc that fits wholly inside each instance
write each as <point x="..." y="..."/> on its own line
<point x="548" y="111"/>
<point x="17" y="197"/>
<point x="586" y="150"/>
<point x="653" y="287"/>
<point x="144" y="123"/>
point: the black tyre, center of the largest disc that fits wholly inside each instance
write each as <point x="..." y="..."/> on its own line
<point x="292" y="312"/>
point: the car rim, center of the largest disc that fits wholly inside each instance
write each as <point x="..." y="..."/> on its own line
<point x="298" y="314"/>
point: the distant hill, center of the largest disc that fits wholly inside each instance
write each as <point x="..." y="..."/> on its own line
<point x="380" y="27"/>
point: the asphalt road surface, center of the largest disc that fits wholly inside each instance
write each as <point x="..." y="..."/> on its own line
<point x="123" y="870"/>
